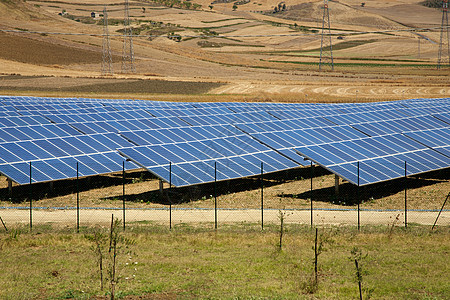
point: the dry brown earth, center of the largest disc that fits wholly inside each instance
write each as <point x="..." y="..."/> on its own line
<point x="249" y="61"/>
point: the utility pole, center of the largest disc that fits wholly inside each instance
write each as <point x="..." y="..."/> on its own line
<point x="444" y="35"/>
<point x="326" y="48"/>
<point x="107" y="68"/>
<point x="127" y="51"/>
<point x="418" y="47"/>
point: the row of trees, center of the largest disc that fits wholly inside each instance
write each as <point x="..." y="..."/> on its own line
<point x="179" y="4"/>
<point x="280" y="7"/>
<point x="433" y="3"/>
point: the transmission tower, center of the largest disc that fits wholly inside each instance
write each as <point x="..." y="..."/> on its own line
<point x="107" y="68"/>
<point x="444" y="35"/>
<point x="326" y="49"/>
<point x="127" y="51"/>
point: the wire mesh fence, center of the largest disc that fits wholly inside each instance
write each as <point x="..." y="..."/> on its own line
<point x="308" y="196"/>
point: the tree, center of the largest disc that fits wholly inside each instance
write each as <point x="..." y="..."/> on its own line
<point x="234" y="7"/>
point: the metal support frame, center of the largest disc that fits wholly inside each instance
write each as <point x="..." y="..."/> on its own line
<point x="357" y="199"/>
<point x="161" y="187"/>
<point x="123" y="193"/>
<point x="262" y="196"/>
<point x="311" y="193"/>
<point x="10" y="187"/>
<point x="31" y="200"/>
<point x="406" y="196"/>
<point x="78" y="201"/>
<point x="168" y="195"/>
<point x="215" y="195"/>
<point x="336" y="184"/>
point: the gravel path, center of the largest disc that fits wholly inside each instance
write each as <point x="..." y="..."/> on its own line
<point x="320" y="216"/>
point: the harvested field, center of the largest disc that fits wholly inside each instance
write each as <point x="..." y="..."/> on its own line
<point x="29" y="50"/>
<point x="105" y="86"/>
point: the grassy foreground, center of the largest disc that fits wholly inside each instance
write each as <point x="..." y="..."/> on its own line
<point x="237" y="262"/>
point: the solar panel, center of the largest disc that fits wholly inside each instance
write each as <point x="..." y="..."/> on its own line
<point x="192" y="162"/>
<point x="380" y="158"/>
<point x="55" y="133"/>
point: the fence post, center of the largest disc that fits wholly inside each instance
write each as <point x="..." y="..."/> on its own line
<point x="215" y="195"/>
<point x="78" y="202"/>
<point x="311" y="193"/>
<point x="406" y="197"/>
<point x="31" y="202"/>
<point x="262" y="197"/>
<point x="6" y="228"/>
<point x="448" y="195"/>
<point x="168" y="195"/>
<point x="357" y="199"/>
<point x="123" y="193"/>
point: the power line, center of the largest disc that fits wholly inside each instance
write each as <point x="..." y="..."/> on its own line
<point x="127" y="51"/>
<point x="107" y="68"/>
<point x="326" y="46"/>
<point x="444" y="35"/>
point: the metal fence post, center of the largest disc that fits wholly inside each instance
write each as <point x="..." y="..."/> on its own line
<point x="448" y="195"/>
<point x="123" y="192"/>
<point x="406" y="197"/>
<point x="357" y="199"/>
<point x="168" y="195"/>
<point x="31" y="202"/>
<point x="78" y="202"/>
<point x="215" y="195"/>
<point x="262" y="197"/>
<point x="311" y="193"/>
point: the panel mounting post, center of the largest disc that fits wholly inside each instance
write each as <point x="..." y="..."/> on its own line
<point x="10" y="187"/>
<point x="336" y="184"/>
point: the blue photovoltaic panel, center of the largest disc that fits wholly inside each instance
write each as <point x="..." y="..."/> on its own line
<point x="400" y="125"/>
<point x="289" y="139"/>
<point x="55" y="133"/>
<point x="64" y="168"/>
<point x="380" y="158"/>
<point x="180" y="134"/>
<point x="193" y="162"/>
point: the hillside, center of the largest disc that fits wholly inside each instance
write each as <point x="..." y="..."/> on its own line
<point x="247" y="50"/>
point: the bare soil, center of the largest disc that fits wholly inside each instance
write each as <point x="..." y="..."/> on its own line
<point x="104" y="85"/>
<point x="32" y="51"/>
<point x="274" y="61"/>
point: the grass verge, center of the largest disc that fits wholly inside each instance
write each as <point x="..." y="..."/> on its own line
<point x="235" y="262"/>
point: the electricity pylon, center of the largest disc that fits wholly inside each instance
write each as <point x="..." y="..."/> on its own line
<point x="326" y="48"/>
<point x="127" y="51"/>
<point x="107" y="68"/>
<point x="444" y="35"/>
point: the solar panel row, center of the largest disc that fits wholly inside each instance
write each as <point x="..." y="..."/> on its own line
<point x="194" y="162"/>
<point x="55" y="133"/>
<point x="380" y="158"/>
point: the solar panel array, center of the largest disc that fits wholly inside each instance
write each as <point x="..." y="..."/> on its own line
<point x="190" y="143"/>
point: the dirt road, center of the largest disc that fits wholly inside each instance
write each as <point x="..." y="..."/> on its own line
<point x="181" y="215"/>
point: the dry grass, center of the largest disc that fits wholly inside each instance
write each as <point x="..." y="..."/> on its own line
<point x="231" y="263"/>
<point x="281" y="190"/>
